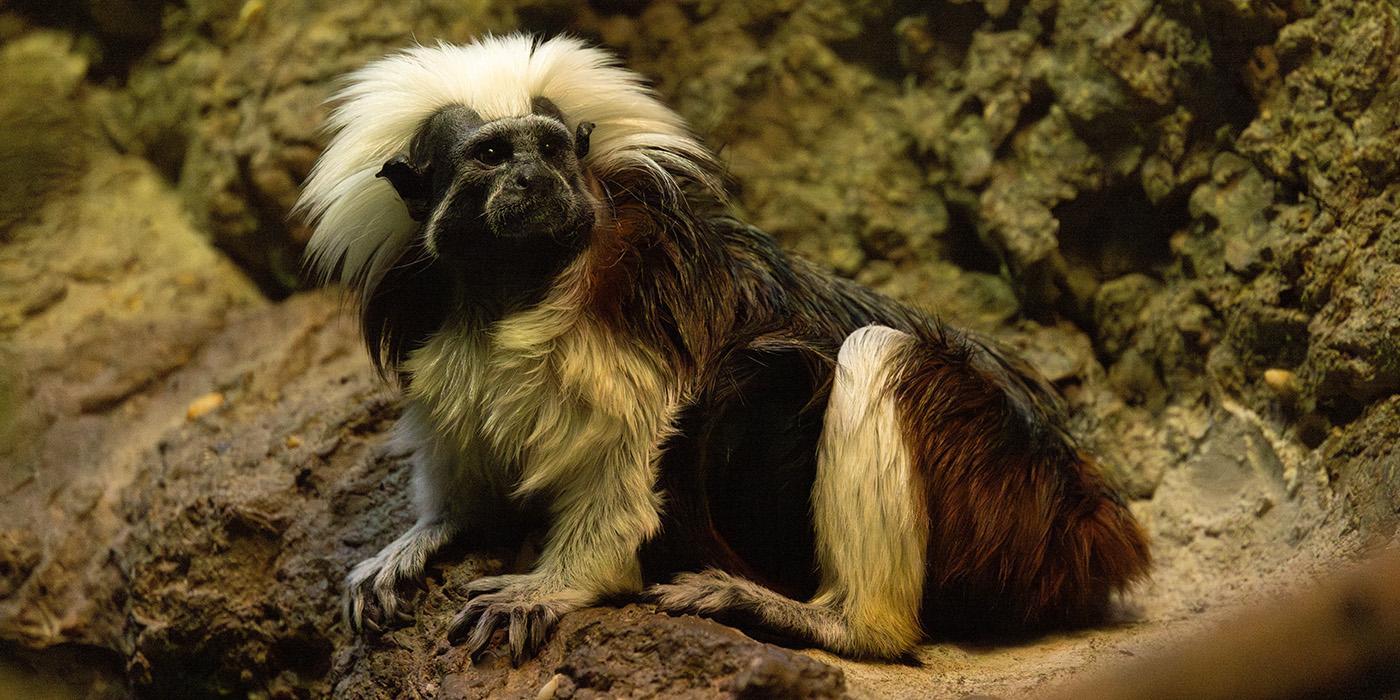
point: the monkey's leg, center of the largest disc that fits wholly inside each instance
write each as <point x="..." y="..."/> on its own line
<point x="444" y="500"/>
<point x="603" y="508"/>
<point x="871" y="534"/>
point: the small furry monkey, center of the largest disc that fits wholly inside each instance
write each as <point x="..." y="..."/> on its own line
<point x="588" y="343"/>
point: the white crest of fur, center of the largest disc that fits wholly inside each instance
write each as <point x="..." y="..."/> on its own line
<point x="361" y="225"/>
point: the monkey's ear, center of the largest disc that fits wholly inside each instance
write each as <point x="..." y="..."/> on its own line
<point x="581" y="136"/>
<point x="414" y="185"/>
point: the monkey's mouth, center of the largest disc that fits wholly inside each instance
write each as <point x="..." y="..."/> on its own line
<point x="559" y="216"/>
<point x="515" y="226"/>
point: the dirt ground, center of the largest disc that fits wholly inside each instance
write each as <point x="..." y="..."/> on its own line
<point x="1182" y="212"/>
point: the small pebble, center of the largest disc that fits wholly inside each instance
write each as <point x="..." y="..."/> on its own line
<point x="251" y="12"/>
<point x="1282" y="381"/>
<point x="204" y="405"/>
<point x="548" y="690"/>
<point x="1265" y="505"/>
<point x="293" y="442"/>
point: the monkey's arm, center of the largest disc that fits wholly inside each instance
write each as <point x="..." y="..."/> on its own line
<point x="603" y="508"/>
<point x="450" y="496"/>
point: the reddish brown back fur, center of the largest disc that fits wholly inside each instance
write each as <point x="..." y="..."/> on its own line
<point x="1024" y="532"/>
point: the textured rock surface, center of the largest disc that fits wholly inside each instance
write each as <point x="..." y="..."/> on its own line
<point x="1183" y="212"/>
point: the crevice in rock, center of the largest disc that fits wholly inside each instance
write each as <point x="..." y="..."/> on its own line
<point x="878" y="47"/>
<point x="306" y="653"/>
<point x="1222" y="96"/>
<point x="1042" y="99"/>
<point x="619" y="7"/>
<point x="546" y="19"/>
<point x="167" y="153"/>
<point x="124" y="30"/>
<point x="65" y="670"/>
<point x="269" y="272"/>
<point x="964" y="246"/>
<point x="1341" y="408"/>
<point x="1118" y="230"/>
<point x="268" y="256"/>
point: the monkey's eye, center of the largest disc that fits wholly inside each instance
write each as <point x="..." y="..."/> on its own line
<point x="493" y="152"/>
<point x="550" y="148"/>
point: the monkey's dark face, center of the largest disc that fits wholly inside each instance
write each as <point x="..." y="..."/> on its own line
<point x="500" y="191"/>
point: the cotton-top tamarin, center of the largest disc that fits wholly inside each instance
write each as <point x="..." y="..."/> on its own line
<point x="588" y="343"/>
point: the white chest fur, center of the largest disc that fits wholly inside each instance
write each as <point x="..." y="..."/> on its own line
<point x="546" y="398"/>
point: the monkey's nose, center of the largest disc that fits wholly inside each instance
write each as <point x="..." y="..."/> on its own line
<point x="529" y="179"/>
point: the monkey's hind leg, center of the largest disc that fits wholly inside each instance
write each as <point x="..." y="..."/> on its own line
<point x="870" y="529"/>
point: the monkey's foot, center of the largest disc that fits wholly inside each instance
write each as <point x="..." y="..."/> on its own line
<point x="708" y="593"/>
<point x="525" y="606"/>
<point x="493" y="584"/>
<point x="739" y="601"/>
<point x="371" y="590"/>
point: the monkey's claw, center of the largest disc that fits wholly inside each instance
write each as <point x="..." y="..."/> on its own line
<point x="527" y="626"/>
<point x="372" y="601"/>
<point x="371" y="590"/>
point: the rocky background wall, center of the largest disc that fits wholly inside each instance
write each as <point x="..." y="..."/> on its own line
<point x="1183" y="211"/>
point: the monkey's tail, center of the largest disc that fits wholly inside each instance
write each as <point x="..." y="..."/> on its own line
<point x="1097" y="550"/>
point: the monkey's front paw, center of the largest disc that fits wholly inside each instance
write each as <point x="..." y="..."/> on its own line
<point x="522" y="606"/>
<point x="371" y="595"/>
